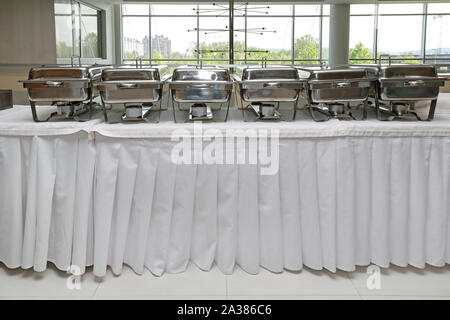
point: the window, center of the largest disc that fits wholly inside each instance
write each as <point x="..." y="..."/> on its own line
<point x="408" y="33"/>
<point x="199" y="32"/>
<point x="78" y="30"/>
<point x="311" y="33"/>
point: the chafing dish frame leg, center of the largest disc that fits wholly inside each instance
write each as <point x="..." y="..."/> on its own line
<point x="430" y="112"/>
<point x="228" y="108"/>
<point x="34" y="112"/>
<point x="171" y="101"/>
<point x="105" y="114"/>
<point x="391" y="116"/>
<point x="295" y="108"/>
<point x="364" y="106"/>
<point x="313" y="108"/>
<point x="91" y="100"/>
<point x="316" y="109"/>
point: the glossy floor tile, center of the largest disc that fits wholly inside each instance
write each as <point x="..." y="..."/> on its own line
<point x="194" y="284"/>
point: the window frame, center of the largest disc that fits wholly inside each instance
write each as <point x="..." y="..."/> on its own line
<point x="77" y="41"/>
<point x="293" y="15"/>
<point x="424" y="14"/>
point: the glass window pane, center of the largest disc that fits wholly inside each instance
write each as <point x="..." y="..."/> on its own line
<point x="214" y="38"/>
<point x="401" y="8"/>
<point x="76" y="30"/>
<point x="135" y="9"/>
<point x="173" y="9"/>
<point x="325" y="37"/>
<point x="239" y="39"/>
<point x="271" y="34"/>
<point x="438" y="37"/>
<point x="361" y="38"/>
<point x="362" y="9"/>
<point x="400" y="36"/>
<point x="89" y="37"/>
<point x="439" y="8"/>
<point x="63" y="7"/>
<point x="135" y="37"/>
<point x="177" y="36"/>
<point x="264" y="9"/>
<point x="307" y="39"/>
<point x="216" y="9"/>
<point x="326" y="9"/>
<point x="63" y="28"/>
<point x="308" y="10"/>
<point x="85" y="10"/>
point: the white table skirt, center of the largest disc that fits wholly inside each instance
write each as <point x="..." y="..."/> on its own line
<point x="46" y="189"/>
<point x="335" y="203"/>
<point x="359" y="193"/>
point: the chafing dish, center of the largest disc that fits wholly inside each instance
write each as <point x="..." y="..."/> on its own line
<point x="338" y="92"/>
<point x="399" y="86"/>
<point x="200" y="87"/>
<point x="137" y="88"/>
<point x="6" y="99"/>
<point x="264" y="88"/>
<point x="71" y="88"/>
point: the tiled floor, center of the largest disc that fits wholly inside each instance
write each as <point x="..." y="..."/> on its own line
<point x="396" y="283"/>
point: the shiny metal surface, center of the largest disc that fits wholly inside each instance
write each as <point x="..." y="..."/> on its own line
<point x="270" y="84"/>
<point x="6" y="100"/>
<point x="62" y="83"/>
<point x="339" y="85"/>
<point x="205" y="85"/>
<point x="409" y="82"/>
<point x="132" y="85"/>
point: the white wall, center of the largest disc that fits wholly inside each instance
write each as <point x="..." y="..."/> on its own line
<point x="27" y="39"/>
<point x="27" y="32"/>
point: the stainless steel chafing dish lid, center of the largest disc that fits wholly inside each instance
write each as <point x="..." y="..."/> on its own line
<point x="269" y="84"/>
<point x="62" y="82"/>
<point x="339" y="84"/>
<point x="190" y="84"/>
<point x="203" y="74"/>
<point x="204" y="78"/>
<point x="409" y="82"/>
<point x="64" y="72"/>
<point x="409" y="76"/>
<point x="269" y="77"/>
<point x="281" y="73"/>
<point x="133" y="85"/>
<point x="339" y="78"/>
<point x="121" y="73"/>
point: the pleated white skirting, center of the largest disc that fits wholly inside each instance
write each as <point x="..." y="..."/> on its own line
<point x="334" y="203"/>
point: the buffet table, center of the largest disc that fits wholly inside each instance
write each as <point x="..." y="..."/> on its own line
<point x="345" y="193"/>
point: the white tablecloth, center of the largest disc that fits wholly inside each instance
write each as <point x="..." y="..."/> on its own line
<point x="347" y="193"/>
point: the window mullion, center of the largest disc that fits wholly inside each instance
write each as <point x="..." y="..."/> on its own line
<point x="320" y="33"/>
<point x="150" y="48"/>
<point x="79" y="30"/>
<point x="375" y="34"/>
<point x="293" y="35"/>
<point x="424" y="31"/>
<point x="198" y="34"/>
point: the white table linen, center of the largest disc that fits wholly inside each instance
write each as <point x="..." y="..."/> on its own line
<point x="347" y="193"/>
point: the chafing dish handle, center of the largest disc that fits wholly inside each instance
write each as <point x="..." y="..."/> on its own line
<point x="128" y="86"/>
<point x="203" y="85"/>
<point x="236" y="78"/>
<point x="343" y="84"/>
<point x="72" y="59"/>
<point x="272" y="84"/>
<point x="54" y="84"/>
<point x="415" y="83"/>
